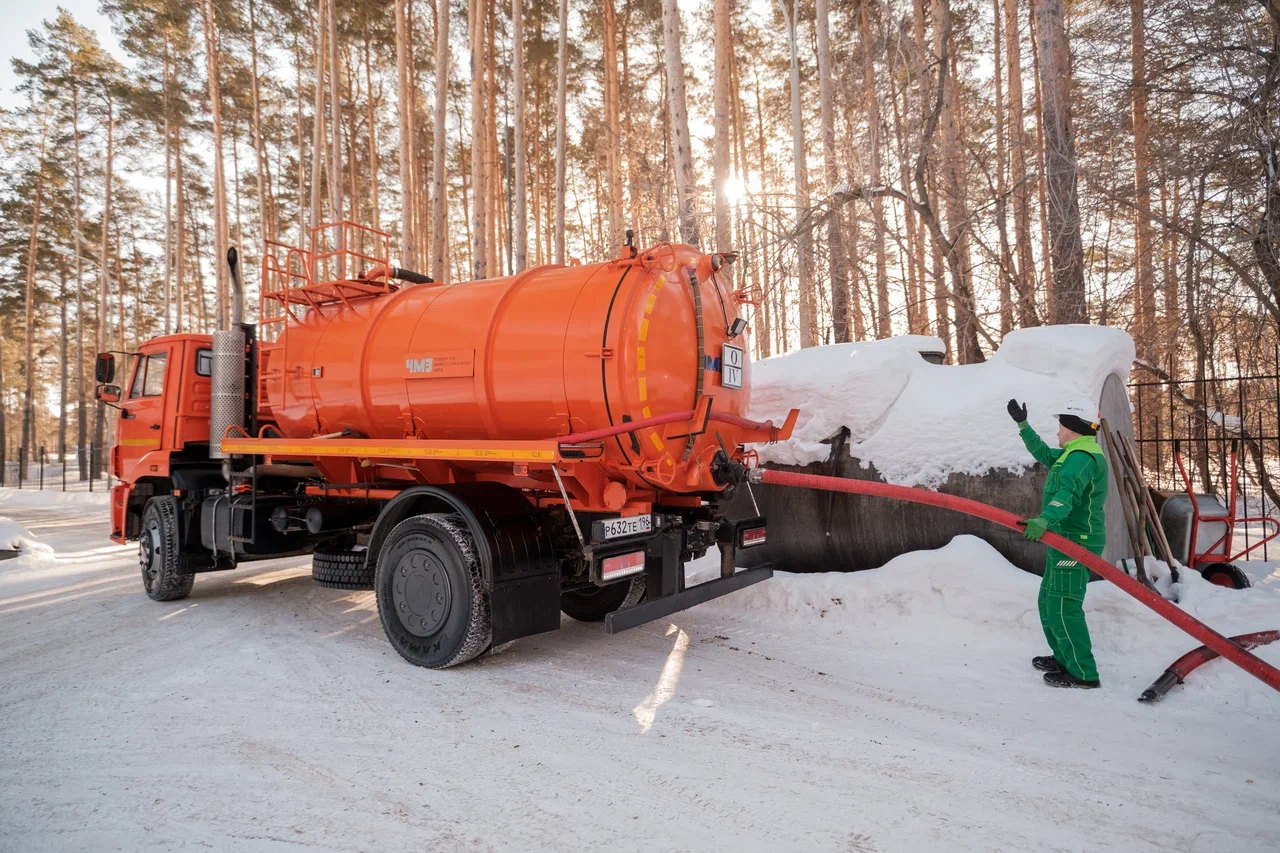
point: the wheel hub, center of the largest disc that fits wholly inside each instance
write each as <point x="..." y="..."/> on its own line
<point x="420" y="593"/>
<point x="149" y="554"/>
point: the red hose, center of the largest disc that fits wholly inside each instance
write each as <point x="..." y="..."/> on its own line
<point x="1183" y="666"/>
<point x="1202" y="632"/>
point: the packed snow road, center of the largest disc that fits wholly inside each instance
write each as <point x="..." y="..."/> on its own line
<point x="886" y="711"/>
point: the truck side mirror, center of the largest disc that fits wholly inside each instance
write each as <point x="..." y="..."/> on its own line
<point x="107" y="394"/>
<point x="104" y="369"/>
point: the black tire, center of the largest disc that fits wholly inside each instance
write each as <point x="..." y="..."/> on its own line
<point x="159" y="547"/>
<point x="1225" y="574"/>
<point x="592" y="605"/>
<point x="341" y="570"/>
<point x="431" y="592"/>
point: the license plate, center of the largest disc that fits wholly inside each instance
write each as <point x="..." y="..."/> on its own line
<point x="731" y="366"/>
<point x="630" y="526"/>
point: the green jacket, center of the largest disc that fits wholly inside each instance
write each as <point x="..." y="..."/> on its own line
<point x="1075" y="491"/>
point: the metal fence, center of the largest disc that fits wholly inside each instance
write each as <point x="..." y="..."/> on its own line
<point x="45" y="471"/>
<point x="1208" y="419"/>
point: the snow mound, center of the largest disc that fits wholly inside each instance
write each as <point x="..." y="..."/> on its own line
<point x="919" y="423"/>
<point x="15" y="537"/>
<point x="963" y="588"/>
<point x="965" y="600"/>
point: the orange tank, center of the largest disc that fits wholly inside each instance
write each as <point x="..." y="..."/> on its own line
<point x="550" y="352"/>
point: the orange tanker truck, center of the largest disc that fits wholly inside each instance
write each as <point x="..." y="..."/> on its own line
<point x="482" y="455"/>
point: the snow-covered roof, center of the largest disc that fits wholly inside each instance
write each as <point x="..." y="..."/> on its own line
<point x="917" y="422"/>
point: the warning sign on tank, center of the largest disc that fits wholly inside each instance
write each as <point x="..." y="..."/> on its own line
<point x="731" y="366"/>
<point x="441" y="364"/>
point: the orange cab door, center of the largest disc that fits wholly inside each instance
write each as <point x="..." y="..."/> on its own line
<point x="143" y="411"/>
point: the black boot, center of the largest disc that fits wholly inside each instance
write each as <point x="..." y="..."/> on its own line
<point x="1062" y="678"/>
<point x="1046" y="663"/>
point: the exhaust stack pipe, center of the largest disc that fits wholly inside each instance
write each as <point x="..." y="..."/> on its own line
<point x="227" y="404"/>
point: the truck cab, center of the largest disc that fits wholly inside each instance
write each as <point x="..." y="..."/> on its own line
<point x="162" y="420"/>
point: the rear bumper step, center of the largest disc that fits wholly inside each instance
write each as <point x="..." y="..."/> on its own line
<point x="621" y="620"/>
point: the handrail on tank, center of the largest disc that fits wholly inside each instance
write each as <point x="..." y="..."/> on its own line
<point x="346" y="228"/>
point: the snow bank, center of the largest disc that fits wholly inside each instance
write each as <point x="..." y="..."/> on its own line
<point x="919" y="423"/>
<point x="962" y="589"/>
<point x="966" y="599"/>
<point x="31" y="551"/>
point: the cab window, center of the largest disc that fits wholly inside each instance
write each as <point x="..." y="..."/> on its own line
<point x="148" y="378"/>
<point x="204" y="362"/>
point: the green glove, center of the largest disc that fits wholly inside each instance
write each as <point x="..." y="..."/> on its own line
<point x="1036" y="527"/>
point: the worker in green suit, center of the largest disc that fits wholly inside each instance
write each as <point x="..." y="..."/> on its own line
<point x="1075" y="492"/>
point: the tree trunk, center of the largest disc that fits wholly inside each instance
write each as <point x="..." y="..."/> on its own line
<point x="404" y="112"/>
<point x="1025" y="275"/>
<point x="220" y="235"/>
<point x="1065" y="246"/>
<point x="493" y="176"/>
<point x="838" y="259"/>
<point x="722" y="39"/>
<point x="521" y="224"/>
<point x="957" y="214"/>
<point x="686" y="178"/>
<point x="917" y="310"/>
<point x="82" y="421"/>
<point x="1144" y="283"/>
<point x="301" y="143"/>
<point x="440" y="195"/>
<point x="317" y="124"/>
<point x="479" y="138"/>
<point x="1006" y="273"/>
<point x="562" y="82"/>
<point x="804" y="242"/>
<point x="1046" y="274"/>
<point x="613" y="130"/>
<point x="627" y="94"/>
<point x="63" y="366"/>
<point x="335" y="136"/>
<point x="168" y="200"/>
<point x="102" y="341"/>
<point x="266" y="205"/>
<point x="884" y="327"/>
<point x="372" y="118"/>
<point x="180" y="243"/>
<point x="29" y="324"/>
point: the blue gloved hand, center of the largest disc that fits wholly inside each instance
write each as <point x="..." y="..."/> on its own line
<point x="1035" y="528"/>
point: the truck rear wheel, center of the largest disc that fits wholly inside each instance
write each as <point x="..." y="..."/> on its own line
<point x="592" y="605"/>
<point x="431" y="593"/>
<point x="341" y="570"/>
<point x="158" y="550"/>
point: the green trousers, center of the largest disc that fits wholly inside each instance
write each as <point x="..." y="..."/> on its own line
<point x="1062" y="614"/>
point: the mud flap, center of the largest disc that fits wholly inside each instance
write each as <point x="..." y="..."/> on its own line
<point x="521" y="607"/>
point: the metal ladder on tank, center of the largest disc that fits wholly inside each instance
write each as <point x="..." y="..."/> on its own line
<point x="325" y="274"/>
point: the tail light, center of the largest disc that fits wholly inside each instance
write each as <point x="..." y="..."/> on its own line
<point x="621" y="566"/>
<point x="749" y="537"/>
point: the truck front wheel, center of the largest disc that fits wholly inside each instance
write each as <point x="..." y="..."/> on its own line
<point x="431" y="593"/>
<point x="158" y="549"/>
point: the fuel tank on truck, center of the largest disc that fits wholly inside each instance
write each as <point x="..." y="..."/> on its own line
<point x="553" y="351"/>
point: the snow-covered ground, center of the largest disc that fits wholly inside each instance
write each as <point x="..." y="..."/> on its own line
<point x="889" y="710"/>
